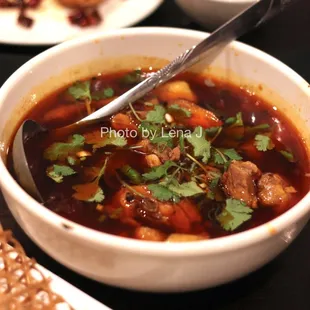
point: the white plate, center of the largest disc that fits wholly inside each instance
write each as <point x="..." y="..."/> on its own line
<point x="51" y="25"/>
<point x="72" y="295"/>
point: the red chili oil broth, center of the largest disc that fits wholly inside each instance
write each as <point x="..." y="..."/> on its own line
<point x="224" y="98"/>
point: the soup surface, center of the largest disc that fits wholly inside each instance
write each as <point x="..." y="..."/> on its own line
<point x="194" y="159"/>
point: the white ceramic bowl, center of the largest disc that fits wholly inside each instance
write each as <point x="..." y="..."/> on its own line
<point x="143" y="265"/>
<point x="213" y="13"/>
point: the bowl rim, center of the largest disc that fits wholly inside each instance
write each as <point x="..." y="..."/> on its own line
<point x="161" y="249"/>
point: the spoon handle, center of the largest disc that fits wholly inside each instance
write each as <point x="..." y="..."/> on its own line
<point x="206" y="50"/>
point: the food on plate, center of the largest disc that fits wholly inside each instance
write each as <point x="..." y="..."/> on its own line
<point x="84" y="12"/>
<point x="196" y="158"/>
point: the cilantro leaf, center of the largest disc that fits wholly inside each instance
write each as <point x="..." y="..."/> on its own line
<point x="57" y="172"/>
<point x="202" y="147"/>
<point x="71" y="160"/>
<point x="157" y="115"/>
<point x="149" y="130"/>
<point x="218" y="157"/>
<point x="133" y="77"/>
<point x="212" y="131"/>
<point x="288" y="155"/>
<point x="263" y="143"/>
<point x="112" y="138"/>
<point x="234" y="214"/>
<point x="232" y="154"/>
<point x="224" y="156"/>
<point x="160" y="171"/>
<point x="80" y="90"/>
<point x="235" y="121"/>
<point x="230" y="120"/>
<point x="163" y="140"/>
<point x="161" y="192"/>
<point x="175" y="108"/>
<point x="97" y="197"/>
<point x="187" y="189"/>
<point x="103" y="94"/>
<point x="214" y="182"/>
<point x="61" y="150"/>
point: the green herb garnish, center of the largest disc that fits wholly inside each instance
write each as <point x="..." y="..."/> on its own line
<point x="162" y="193"/>
<point x="61" y="150"/>
<point x="103" y="94"/>
<point x="202" y="147"/>
<point x="234" y="214"/>
<point x="80" y="90"/>
<point x="175" y="108"/>
<point x="133" y="77"/>
<point x="157" y="115"/>
<point x="57" y="172"/>
<point x="263" y="143"/>
<point x="163" y="140"/>
<point x="212" y="131"/>
<point x="112" y="138"/>
<point x="235" y="121"/>
<point x="187" y="189"/>
<point x="160" y="171"/>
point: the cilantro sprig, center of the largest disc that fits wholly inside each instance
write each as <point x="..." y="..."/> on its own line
<point x="80" y="90"/>
<point x="201" y="146"/>
<point x="58" y="172"/>
<point x="62" y="150"/>
<point x="173" y="190"/>
<point x="263" y="143"/>
<point x="157" y="115"/>
<point x="224" y="156"/>
<point x="234" y="214"/>
<point x="159" y="172"/>
<point x="176" y="109"/>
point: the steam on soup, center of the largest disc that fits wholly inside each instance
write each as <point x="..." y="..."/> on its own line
<point x="194" y="159"/>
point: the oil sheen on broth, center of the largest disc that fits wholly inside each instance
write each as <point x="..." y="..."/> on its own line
<point x="194" y="159"/>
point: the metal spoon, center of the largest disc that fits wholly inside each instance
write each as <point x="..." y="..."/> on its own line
<point x="207" y="49"/>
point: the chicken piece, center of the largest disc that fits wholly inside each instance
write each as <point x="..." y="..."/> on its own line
<point x="198" y="115"/>
<point x="274" y="191"/>
<point x="80" y="3"/>
<point x="149" y="234"/>
<point x="175" y="90"/>
<point x="238" y="182"/>
<point x="185" y="238"/>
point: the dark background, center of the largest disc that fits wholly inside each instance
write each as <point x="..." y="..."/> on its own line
<point x="282" y="284"/>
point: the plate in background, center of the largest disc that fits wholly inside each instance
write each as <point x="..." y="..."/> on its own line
<point x="51" y="25"/>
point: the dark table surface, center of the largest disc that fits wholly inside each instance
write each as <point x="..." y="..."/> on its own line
<point x="282" y="284"/>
